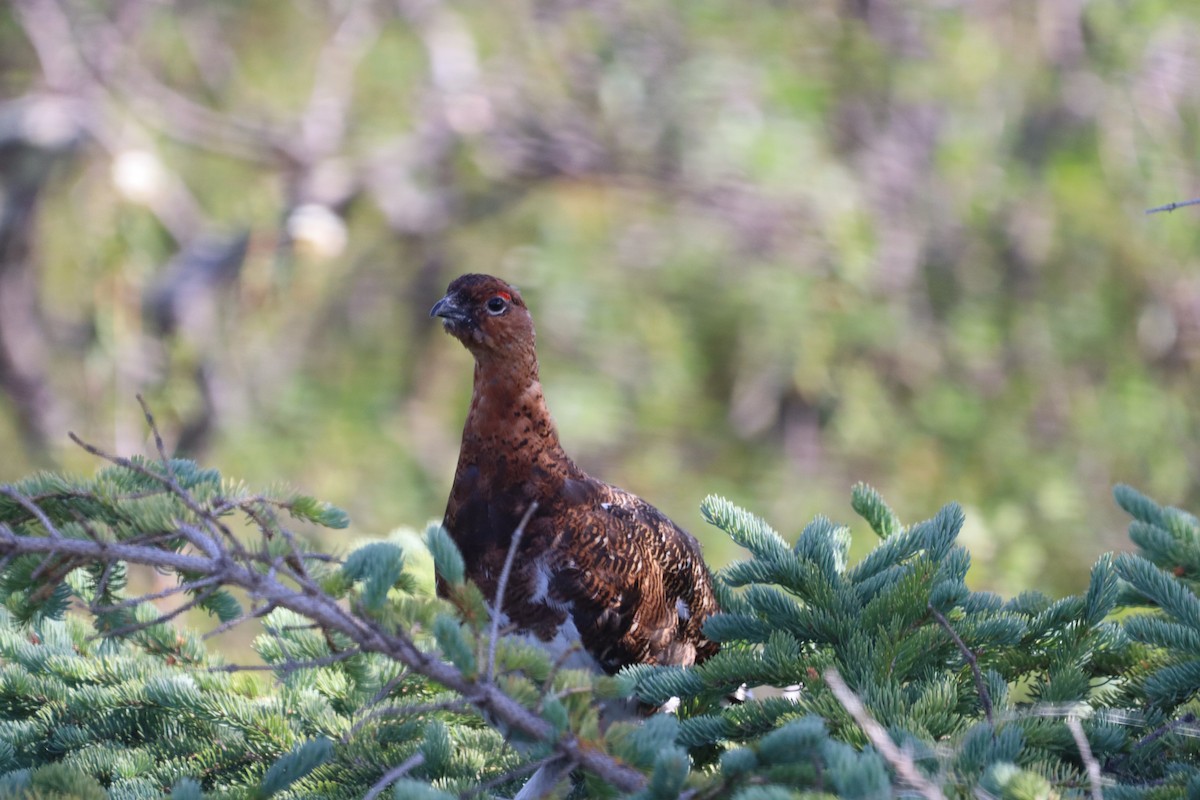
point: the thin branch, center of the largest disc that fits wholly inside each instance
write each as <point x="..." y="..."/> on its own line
<point x="198" y="539"/>
<point x="984" y="697"/>
<point x="392" y="775"/>
<point x="1173" y="206"/>
<point x="143" y="598"/>
<point x="168" y="483"/>
<point x="906" y="770"/>
<point x="158" y="440"/>
<point x="513" y="774"/>
<point x="162" y="618"/>
<point x="1170" y="727"/>
<point x="387" y="689"/>
<point x="289" y="667"/>
<point x="502" y="587"/>
<point x="33" y="509"/>
<point x="573" y="649"/>
<point x="457" y="704"/>
<point x="1085" y="751"/>
<point x="257" y="613"/>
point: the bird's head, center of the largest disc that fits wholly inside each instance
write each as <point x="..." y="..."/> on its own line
<point x="487" y="315"/>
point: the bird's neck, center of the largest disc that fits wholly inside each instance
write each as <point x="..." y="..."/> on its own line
<point x="509" y="418"/>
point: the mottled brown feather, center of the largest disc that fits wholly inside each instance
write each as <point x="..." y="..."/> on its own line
<point x="633" y="583"/>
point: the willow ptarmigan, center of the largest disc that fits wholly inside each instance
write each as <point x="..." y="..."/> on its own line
<point x="596" y="565"/>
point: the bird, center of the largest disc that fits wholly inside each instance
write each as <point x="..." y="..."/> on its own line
<point x="596" y="570"/>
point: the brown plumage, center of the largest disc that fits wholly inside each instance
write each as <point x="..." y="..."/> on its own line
<point x="595" y="563"/>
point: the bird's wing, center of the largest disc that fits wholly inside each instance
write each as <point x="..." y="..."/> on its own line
<point x="634" y="584"/>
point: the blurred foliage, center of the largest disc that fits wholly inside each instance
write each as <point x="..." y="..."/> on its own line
<point x="770" y="251"/>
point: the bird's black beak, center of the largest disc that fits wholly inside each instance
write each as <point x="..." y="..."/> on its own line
<point x="449" y="310"/>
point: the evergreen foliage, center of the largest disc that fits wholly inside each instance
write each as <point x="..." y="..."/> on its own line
<point x="889" y="677"/>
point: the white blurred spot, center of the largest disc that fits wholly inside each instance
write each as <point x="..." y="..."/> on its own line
<point x="452" y="57"/>
<point x="317" y="230"/>
<point x="1157" y="330"/>
<point x="454" y="63"/>
<point x="50" y="123"/>
<point x="468" y="112"/>
<point x="139" y="176"/>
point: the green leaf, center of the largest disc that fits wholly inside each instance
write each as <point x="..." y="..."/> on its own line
<point x="1170" y="686"/>
<point x="436" y="747"/>
<point x="379" y="565"/>
<point x="318" y="512"/>
<point x="1167" y="591"/>
<point x="293" y="766"/>
<point x="869" y="505"/>
<point x="749" y="531"/>
<point x="447" y="560"/>
<point x="1102" y="591"/>
<point x="1137" y="505"/>
<point x="670" y="771"/>
<point x="453" y="642"/>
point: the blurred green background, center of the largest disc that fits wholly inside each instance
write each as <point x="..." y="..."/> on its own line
<point x="772" y="249"/>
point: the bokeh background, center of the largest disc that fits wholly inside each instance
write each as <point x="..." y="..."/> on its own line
<point x="771" y="248"/>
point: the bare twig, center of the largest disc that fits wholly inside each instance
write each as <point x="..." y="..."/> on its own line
<point x="142" y="598"/>
<point x="573" y="649"/>
<point x="502" y="587"/>
<point x="984" y="697"/>
<point x="394" y="774"/>
<point x="1085" y="752"/>
<point x="1183" y="722"/>
<point x="906" y="770"/>
<point x="458" y="704"/>
<point x="158" y="440"/>
<point x="511" y="775"/>
<point x="256" y="613"/>
<point x="174" y="488"/>
<point x="290" y="666"/>
<point x="1173" y="206"/>
<point x="163" y="617"/>
<point x="387" y="689"/>
<point x="33" y="509"/>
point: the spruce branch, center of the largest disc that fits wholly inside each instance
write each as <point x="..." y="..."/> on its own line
<point x="178" y="492"/>
<point x="217" y="554"/>
<point x="984" y="697"/>
<point x="901" y="761"/>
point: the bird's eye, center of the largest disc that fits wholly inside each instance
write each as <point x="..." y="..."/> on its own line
<point x="496" y="305"/>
